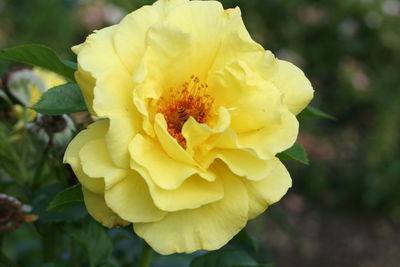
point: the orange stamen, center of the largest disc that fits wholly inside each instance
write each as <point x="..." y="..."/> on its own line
<point x="179" y="104"/>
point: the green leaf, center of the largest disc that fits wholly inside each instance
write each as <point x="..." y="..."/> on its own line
<point x="94" y="238"/>
<point x="296" y="153"/>
<point x="42" y="200"/>
<point x="314" y="112"/>
<point x="66" y="98"/>
<point x="41" y="56"/>
<point x="69" y="197"/>
<point x="223" y="258"/>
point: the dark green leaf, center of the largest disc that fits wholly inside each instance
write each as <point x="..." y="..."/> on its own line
<point x="70" y="64"/>
<point x="69" y="197"/>
<point x="41" y="56"/>
<point x="66" y="98"/>
<point x="94" y="238"/>
<point x="223" y="258"/>
<point x="42" y="201"/>
<point x="314" y="112"/>
<point x="296" y="153"/>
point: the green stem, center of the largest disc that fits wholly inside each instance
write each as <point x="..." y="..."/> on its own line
<point x="39" y="170"/>
<point x="48" y="243"/>
<point x="145" y="257"/>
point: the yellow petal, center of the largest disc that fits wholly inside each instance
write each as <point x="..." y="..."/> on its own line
<point x="164" y="171"/>
<point x="238" y="46"/>
<point x="95" y="160"/>
<point x="206" y="228"/>
<point x="169" y="56"/>
<point x="95" y="131"/>
<point x="95" y="56"/>
<point x="117" y="105"/>
<point x="196" y="134"/>
<point x="97" y="53"/>
<point x="295" y="86"/>
<point x="192" y="193"/>
<point x="272" y="139"/>
<point x="267" y="191"/>
<point x="253" y="102"/>
<point x="132" y="30"/>
<point x="244" y="163"/>
<point x="168" y="143"/>
<point x="98" y="209"/>
<point x="208" y="24"/>
<point x="130" y="198"/>
<point x="86" y="83"/>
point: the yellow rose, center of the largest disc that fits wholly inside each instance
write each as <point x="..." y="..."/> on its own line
<point x="28" y="85"/>
<point x="194" y="112"/>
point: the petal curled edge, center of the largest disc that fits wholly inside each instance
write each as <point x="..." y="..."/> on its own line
<point x="193" y="193"/>
<point x="94" y="56"/>
<point x="208" y="227"/>
<point x="98" y="209"/>
<point x="131" y="32"/>
<point x="267" y="191"/>
<point x="295" y="86"/>
<point x="113" y="100"/>
<point x="130" y="198"/>
<point x="167" y="173"/>
<point x="125" y="193"/>
<point x="95" y="131"/>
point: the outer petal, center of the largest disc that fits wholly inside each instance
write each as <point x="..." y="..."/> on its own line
<point x="113" y="99"/>
<point x="208" y="227"/>
<point x="130" y="198"/>
<point x="95" y="131"/>
<point x="295" y="86"/>
<point x="98" y="209"/>
<point x="272" y="139"/>
<point x="95" y="56"/>
<point x="133" y="28"/>
<point x="267" y="191"/>
<point x="97" y="53"/>
<point x="208" y="23"/>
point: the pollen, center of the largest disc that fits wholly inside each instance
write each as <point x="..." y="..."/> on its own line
<point x="179" y="104"/>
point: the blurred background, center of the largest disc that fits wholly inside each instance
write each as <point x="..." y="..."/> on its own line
<point x="344" y="208"/>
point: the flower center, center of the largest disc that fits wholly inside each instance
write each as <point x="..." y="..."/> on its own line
<point x="178" y="104"/>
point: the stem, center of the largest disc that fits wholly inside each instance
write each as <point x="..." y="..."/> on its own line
<point x="145" y="257"/>
<point x="39" y="170"/>
<point x="48" y="243"/>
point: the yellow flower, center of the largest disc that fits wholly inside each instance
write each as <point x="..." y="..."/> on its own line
<point x="194" y="112"/>
<point x="28" y="85"/>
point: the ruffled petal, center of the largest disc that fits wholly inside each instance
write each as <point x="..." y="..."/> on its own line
<point x="130" y="198"/>
<point x="272" y="139"/>
<point x="267" y="191"/>
<point x="192" y="193"/>
<point x="95" y="131"/>
<point x="98" y="209"/>
<point x="243" y="163"/>
<point x="164" y="171"/>
<point x="132" y="30"/>
<point x="295" y="86"/>
<point x="113" y="100"/>
<point x="208" y="227"/>
<point x="97" y="53"/>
